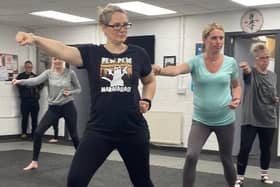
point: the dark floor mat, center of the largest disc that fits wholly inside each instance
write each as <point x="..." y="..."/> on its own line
<point x="53" y="169"/>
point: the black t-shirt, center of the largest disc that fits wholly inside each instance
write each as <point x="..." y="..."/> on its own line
<point x="113" y="81"/>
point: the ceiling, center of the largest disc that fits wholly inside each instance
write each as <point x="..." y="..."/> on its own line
<point x="15" y="12"/>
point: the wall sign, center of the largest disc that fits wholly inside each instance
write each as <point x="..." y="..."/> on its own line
<point x="8" y="67"/>
<point x="169" y="61"/>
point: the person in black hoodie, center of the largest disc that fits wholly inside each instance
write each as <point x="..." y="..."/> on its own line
<point x="29" y="96"/>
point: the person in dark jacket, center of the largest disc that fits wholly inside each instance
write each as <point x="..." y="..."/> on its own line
<point x="29" y="96"/>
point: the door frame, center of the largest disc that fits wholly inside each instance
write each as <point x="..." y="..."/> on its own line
<point x="230" y="38"/>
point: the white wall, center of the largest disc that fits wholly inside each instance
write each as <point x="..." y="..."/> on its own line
<point x="72" y="35"/>
<point x="9" y="110"/>
<point x="8" y="44"/>
<point x="174" y="36"/>
<point x="167" y="44"/>
<point x="231" y="22"/>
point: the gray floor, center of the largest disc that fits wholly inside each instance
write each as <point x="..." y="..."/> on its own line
<point x="156" y="159"/>
<point x="209" y="167"/>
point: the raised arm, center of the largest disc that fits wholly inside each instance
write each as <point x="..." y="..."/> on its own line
<point x="246" y="69"/>
<point x="244" y="66"/>
<point x="52" y="47"/>
<point x="32" y="81"/>
<point x="171" y="70"/>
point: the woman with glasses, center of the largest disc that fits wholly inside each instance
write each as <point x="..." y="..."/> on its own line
<point x="216" y="94"/>
<point x="116" y="120"/>
<point x="258" y="112"/>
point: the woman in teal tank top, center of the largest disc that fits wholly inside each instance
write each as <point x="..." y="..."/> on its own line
<point x="216" y="94"/>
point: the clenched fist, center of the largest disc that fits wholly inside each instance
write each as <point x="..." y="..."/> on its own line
<point x="156" y="69"/>
<point x="245" y="67"/>
<point x="23" y="38"/>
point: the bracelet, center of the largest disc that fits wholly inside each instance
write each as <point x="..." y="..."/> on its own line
<point x="148" y="101"/>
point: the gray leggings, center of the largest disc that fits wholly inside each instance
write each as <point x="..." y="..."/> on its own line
<point x="198" y="135"/>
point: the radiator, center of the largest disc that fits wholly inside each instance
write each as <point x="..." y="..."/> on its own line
<point x="165" y="127"/>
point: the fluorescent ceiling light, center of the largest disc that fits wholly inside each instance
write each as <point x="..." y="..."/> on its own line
<point x="257" y="2"/>
<point x="61" y="16"/>
<point x="144" y="8"/>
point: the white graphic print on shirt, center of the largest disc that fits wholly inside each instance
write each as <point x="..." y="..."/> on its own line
<point x="117" y="72"/>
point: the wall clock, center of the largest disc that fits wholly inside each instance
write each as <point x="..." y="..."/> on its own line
<point x="251" y="21"/>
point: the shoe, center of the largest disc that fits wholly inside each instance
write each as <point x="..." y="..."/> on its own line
<point x="23" y="136"/>
<point x="239" y="182"/>
<point x="265" y="179"/>
<point x="53" y="140"/>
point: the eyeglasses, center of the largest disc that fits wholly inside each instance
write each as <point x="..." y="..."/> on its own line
<point x="118" y="26"/>
<point x="263" y="58"/>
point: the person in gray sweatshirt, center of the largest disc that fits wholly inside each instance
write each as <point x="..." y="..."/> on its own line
<point x="62" y="84"/>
